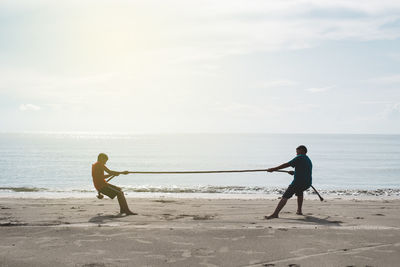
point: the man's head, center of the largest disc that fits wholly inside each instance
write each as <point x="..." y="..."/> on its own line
<point x="102" y="158"/>
<point x="301" y="150"/>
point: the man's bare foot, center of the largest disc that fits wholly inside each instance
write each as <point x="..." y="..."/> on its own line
<point x="299" y="213"/>
<point x="130" y="213"/>
<point x="273" y="216"/>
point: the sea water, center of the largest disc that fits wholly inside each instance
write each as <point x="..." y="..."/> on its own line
<point x="56" y="164"/>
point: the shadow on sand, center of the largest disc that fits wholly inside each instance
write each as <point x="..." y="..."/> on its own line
<point x="315" y="220"/>
<point x="101" y="219"/>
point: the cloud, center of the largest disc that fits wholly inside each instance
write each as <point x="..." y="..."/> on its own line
<point x="272" y="108"/>
<point x="392" y="111"/>
<point x="374" y="102"/>
<point x="273" y="25"/>
<point x="182" y="30"/>
<point x="277" y="83"/>
<point x="391" y="79"/>
<point x="319" y="89"/>
<point x="56" y="89"/>
<point x="394" y="56"/>
<point x="29" y="107"/>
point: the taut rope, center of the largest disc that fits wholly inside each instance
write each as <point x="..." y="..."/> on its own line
<point x="193" y="172"/>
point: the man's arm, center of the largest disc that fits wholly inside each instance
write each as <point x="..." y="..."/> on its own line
<point x="113" y="172"/>
<point x="282" y="166"/>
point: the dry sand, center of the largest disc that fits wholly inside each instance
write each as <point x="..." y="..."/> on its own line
<point x="198" y="232"/>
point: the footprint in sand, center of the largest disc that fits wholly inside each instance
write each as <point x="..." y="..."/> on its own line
<point x="203" y="252"/>
<point x="12" y="224"/>
<point x="164" y="201"/>
<point x="94" y="265"/>
<point x="167" y="216"/>
<point x="294" y="265"/>
<point x="379" y="214"/>
<point x="359" y="218"/>
<point x="336" y="222"/>
<point x="205" y="217"/>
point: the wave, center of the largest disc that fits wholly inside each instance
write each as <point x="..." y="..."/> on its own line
<point x="217" y="190"/>
<point x="263" y="190"/>
<point x="199" y="189"/>
<point x="23" y="189"/>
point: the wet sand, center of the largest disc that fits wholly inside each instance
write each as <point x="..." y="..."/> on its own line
<point x="198" y="232"/>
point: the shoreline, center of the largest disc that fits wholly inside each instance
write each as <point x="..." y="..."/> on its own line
<point x="151" y="195"/>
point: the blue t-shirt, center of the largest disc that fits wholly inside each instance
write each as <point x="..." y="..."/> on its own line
<point x="302" y="170"/>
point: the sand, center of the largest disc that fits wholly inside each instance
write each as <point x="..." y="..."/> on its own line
<point x="198" y="232"/>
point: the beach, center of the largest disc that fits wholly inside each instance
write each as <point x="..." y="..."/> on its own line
<point x="198" y="232"/>
<point x="201" y="119"/>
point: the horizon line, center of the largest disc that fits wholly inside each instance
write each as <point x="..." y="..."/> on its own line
<point x="187" y="133"/>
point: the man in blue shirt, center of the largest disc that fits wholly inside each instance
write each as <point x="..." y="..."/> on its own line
<point x="301" y="182"/>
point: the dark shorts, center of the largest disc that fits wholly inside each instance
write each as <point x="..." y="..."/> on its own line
<point x="111" y="191"/>
<point x="295" y="189"/>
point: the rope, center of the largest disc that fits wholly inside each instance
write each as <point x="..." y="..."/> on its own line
<point x="182" y="172"/>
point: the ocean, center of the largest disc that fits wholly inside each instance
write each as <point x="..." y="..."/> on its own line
<point x="59" y="164"/>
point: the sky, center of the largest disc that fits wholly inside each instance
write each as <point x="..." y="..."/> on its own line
<point x="200" y="66"/>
